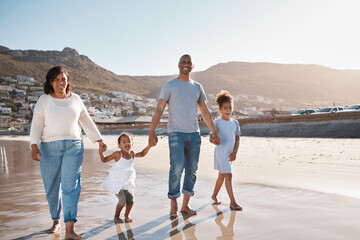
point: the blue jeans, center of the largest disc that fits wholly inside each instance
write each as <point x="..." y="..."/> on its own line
<point x="184" y="153"/>
<point x="60" y="164"/>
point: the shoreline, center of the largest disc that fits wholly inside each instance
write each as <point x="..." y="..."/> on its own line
<point x="296" y="162"/>
<point x="337" y="129"/>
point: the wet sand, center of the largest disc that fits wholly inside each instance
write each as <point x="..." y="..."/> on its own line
<point x="290" y="188"/>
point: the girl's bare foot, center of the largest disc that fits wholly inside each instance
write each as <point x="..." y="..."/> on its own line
<point x="118" y="220"/>
<point x="55" y="227"/>
<point x="235" y="206"/>
<point x="73" y="236"/>
<point x="214" y="198"/>
<point x="188" y="210"/>
<point x="128" y="219"/>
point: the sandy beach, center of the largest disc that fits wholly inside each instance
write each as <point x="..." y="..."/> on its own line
<point x="290" y="188"/>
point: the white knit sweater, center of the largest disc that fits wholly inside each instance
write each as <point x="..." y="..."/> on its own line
<point x="60" y="119"/>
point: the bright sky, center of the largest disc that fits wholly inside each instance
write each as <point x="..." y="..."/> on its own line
<point x="147" y="37"/>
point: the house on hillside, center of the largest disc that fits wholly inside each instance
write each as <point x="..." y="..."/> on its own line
<point x="19" y="99"/>
<point x="21" y="93"/>
<point x="25" y="80"/>
<point x="5" y="119"/>
<point x="6" y="89"/>
<point x="5" y="110"/>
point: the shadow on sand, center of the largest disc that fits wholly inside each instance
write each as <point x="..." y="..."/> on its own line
<point x="171" y="230"/>
<point x="34" y="235"/>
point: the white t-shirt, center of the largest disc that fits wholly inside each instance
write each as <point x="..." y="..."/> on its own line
<point x="60" y="119"/>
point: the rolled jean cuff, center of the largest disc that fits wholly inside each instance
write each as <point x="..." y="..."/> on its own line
<point x="70" y="220"/>
<point x="188" y="193"/>
<point x="174" y="196"/>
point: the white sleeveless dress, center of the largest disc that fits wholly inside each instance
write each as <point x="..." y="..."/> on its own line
<point x="121" y="176"/>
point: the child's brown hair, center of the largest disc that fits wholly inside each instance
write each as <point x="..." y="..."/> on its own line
<point x="223" y="96"/>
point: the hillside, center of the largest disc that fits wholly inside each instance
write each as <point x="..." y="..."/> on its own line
<point x="84" y="74"/>
<point x="264" y="85"/>
<point x="294" y="83"/>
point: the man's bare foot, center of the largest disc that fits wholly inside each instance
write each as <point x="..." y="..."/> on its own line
<point x="188" y="210"/>
<point x="173" y="215"/>
<point x="73" y="236"/>
<point x="128" y="219"/>
<point x="55" y="227"/>
<point x="118" y="220"/>
<point x="173" y="208"/>
<point x="235" y="207"/>
<point x="214" y="198"/>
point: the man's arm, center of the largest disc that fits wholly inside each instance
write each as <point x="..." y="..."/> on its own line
<point x="208" y="120"/>
<point x="155" y="121"/>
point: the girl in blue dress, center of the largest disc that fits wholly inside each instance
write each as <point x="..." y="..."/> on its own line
<point x="224" y="154"/>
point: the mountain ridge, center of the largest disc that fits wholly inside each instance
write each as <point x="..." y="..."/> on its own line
<point x="280" y="85"/>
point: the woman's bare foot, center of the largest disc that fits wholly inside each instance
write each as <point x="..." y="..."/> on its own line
<point x="236" y="207"/>
<point x="118" y="220"/>
<point x="55" y="227"/>
<point x="188" y="210"/>
<point x="214" y="198"/>
<point x="73" y="236"/>
<point x="128" y="219"/>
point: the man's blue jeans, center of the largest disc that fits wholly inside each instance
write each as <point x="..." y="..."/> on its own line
<point x="184" y="153"/>
<point x="60" y="164"/>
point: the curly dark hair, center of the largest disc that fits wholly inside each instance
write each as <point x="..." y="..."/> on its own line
<point x="50" y="77"/>
<point x="223" y="96"/>
<point x="129" y="135"/>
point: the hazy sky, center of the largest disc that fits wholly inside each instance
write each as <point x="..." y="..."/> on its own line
<point x="147" y="37"/>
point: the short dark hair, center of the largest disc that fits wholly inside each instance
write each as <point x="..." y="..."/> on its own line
<point x="185" y="55"/>
<point x="50" y="77"/>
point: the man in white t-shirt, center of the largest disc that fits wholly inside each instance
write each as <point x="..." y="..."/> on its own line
<point x="183" y="95"/>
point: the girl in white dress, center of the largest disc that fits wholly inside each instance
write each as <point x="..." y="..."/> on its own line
<point x="121" y="179"/>
<point x="224" y="154"/>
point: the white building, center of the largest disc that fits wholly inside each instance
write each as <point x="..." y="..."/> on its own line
<point x="23" y="79"/>
<point x="104" y="99"/>
<point x="5" y="119"/>
<point x="5" y="110"/>
<point x="142" y="110"/>
<point x="19" y="100"/>
<point x="32" y="98"/>
<point x="6" y="89"/>
<point x="86" y="102"/>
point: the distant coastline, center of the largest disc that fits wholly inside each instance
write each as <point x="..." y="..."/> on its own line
<point x="304" y="129"/>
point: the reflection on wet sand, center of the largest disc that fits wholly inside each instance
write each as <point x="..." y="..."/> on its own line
<point x="4" y="161"/>
<point x="121" y="234"/>
<point x="227" y="232"/>
<point x="188" y="230"/>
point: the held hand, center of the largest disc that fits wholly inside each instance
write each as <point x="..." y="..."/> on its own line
<point x="153" y="139"/>
<point x="215" y="139"/>
<point x="152" y="143"/>
<point x="212" y="139"/>
<point x="232" y="156"/>
<point x="102" y="146"/>
<point x="35" y="152"/>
